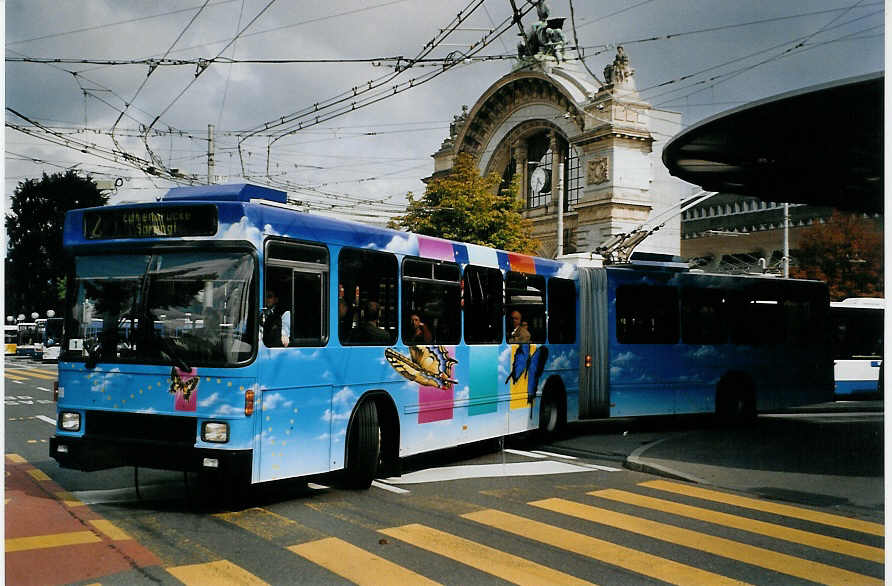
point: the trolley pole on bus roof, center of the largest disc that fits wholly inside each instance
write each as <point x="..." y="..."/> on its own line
<point x="786" y="241"/>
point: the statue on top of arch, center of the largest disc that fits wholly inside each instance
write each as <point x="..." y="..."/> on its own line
<point x="619" y="71"/>
<point x="544" y="37"/>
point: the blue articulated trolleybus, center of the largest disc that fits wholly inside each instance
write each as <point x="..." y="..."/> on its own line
<point x="222" y="330"/>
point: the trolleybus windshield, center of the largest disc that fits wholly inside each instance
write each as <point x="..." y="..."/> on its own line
<point x="186" y="308"/>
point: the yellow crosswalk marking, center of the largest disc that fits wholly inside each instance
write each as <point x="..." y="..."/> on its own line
<point x="219" y="573"/>
<point x="38" y="475"/>
<point x="767" y="507"/>
<point x="68" y="499"/>
<point x="735" y="550"/>
<point x="506" y="566"/>
<point x="14" y="376"/>
<point x="110" y="530"/>
<point x="598" y="549"/>
<point x="816" y="540"/>
<point x="356" y="564"/>
<point x="30" y="373"/>
<point x="53" y="540"/>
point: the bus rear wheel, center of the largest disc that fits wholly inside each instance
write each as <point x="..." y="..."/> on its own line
<point x="735" y="398"/>
<point x="363" y="447"/>
<point x="551" y="414"/>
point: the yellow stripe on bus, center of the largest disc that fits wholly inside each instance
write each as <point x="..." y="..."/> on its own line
<point x="816" y="540"/>
<point x="609" y="553"/>
<point x="356" y="564"/>
<point x="219" y="573"/>
<point x="727" y="548"/>
<point x="53" y="540"/>
<point x="767" y="507"/>
<point x="506" y="566"/>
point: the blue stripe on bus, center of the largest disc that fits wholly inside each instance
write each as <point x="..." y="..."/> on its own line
<point x="850" y="387"/>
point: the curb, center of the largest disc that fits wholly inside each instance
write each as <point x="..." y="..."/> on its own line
<point x="634" y="461"/>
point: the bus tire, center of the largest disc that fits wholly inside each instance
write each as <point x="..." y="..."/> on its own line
<point x="552" y="413"/>
<point x="735" y="398"/>
<point x="363" y="447"/>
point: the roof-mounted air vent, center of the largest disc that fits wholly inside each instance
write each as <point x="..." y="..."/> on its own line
<point x="228" y="192"/>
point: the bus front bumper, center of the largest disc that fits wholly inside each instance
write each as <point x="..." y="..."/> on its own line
<point x="91" y="454"/>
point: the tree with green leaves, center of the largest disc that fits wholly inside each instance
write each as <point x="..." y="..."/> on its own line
<point x="35" y="271"/>
<point x="465" y="206"/>
<point x="846" y="252"/>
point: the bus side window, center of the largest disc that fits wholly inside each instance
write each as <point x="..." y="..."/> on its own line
<point x="369" y="283"/>
<point x="483" y="305"/>
<point x="298" y="275"/>
<point x="758" y="319"/>
<point x="525" y="294"/>
<point x="561" y="311"/>
<point x="431" y="302"/>
<point x="704" y="316"/>
<point x="646" y="315"/>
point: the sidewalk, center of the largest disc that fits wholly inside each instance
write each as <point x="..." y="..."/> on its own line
<point x="807" y="458"/>
<point x="52" y="538"/>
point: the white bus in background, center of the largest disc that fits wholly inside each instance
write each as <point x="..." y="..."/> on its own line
<point x="857" y="334"/>
<point x="52" y="339"/>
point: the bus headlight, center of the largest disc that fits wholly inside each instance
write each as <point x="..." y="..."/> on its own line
<point x="215" y="432"/>
<point x="69" y="421"/>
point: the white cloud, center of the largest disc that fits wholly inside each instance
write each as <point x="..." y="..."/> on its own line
<point x="274" y="401"/>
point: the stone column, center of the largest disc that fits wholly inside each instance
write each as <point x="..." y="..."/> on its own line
<point x="521" y="169"/>
<point x="555" y="167"/>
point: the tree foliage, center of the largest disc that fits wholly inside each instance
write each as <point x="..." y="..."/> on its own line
<point x="35" y="271"/>
<point x="846" y="252"/>
<point x="465" y="206"/>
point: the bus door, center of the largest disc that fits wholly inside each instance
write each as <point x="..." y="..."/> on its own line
<point x="594" y="369"/>
<point x="296" y="409"/>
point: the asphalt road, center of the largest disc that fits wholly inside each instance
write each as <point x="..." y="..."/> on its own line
<point x="785" y="500"/>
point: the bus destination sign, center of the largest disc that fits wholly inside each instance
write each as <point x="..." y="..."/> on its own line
<point x="167" y="222"/>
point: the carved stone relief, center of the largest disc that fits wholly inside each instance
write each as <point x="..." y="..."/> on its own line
<point x="596" y="172"/>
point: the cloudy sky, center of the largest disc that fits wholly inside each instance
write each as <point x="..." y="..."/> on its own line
<point x="279" y="64"/>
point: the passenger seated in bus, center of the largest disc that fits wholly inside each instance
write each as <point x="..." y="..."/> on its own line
<point x="418" y="333"/>
<point x="368" y="332"/>
<point x="277" y="322"/>
<point x="517" y="328"/>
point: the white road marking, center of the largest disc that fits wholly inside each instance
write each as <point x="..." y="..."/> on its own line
<point x="522" y="453"/>
<point x="45" y="389"/>
<point x="599" y="467"/>
<point x="384" y="486"/>
<point x="315" y="486"/>
<point x="488" y="471"/>
<point x="553" y="455"/>
<point x="47" y="419"/>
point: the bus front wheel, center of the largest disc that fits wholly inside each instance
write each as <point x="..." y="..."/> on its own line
<point x="363" y="447"/>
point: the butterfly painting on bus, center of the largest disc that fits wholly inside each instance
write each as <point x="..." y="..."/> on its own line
<point x="527" y="364"/>
<point x="183" y="384"/>
<point x="426" y="365"/>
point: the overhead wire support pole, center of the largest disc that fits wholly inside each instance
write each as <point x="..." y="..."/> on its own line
<point x="211" y="154"/>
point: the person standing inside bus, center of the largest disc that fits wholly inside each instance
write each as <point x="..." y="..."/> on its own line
<point x="277" y="325"/>
<point x="519" y="332"/>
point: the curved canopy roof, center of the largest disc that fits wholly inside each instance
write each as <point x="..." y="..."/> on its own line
<point x="821" y="145"/>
